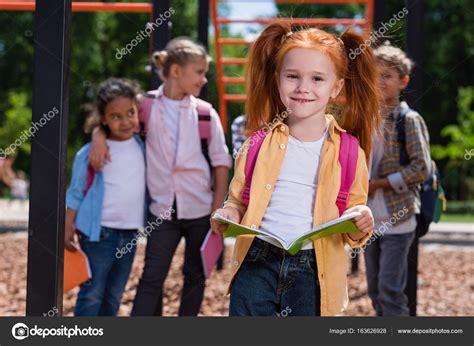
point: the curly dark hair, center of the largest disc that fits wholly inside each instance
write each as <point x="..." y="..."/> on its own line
<point x="108" y="91"/>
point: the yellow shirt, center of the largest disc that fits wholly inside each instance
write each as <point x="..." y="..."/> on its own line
<point x="331" y="257"/>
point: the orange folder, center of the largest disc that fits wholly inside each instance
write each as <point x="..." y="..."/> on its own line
<point x="76" y="269"/>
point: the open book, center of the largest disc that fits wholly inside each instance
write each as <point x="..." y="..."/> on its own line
<point x="344" y="224"/>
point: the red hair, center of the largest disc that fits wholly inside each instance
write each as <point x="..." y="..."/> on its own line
<point x="358" y="101"/>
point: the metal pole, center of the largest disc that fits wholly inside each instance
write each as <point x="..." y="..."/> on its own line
<point x="161" y="35"/>
<point x="414" y="48"/>
<point x="379" y="8"/>
<point x="48" y="157"/>
<point x="203" y="33"/>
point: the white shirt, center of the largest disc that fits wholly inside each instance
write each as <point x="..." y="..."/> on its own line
<point x="124" y="186"/>
<point x="172" y="110"/>
<point x="291" y="207"/>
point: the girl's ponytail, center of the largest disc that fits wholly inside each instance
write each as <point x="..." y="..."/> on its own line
<point x="159" y="59"/>
<point x="263" y="100"/>
<point x="361" y="115"/>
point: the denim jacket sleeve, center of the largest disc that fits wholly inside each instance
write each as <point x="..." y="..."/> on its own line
<point x="75" y="193"/>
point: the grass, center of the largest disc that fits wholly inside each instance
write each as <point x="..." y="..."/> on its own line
<point x="457" y="218"/>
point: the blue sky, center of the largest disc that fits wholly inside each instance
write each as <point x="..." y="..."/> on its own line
<point x="247" y="9"/>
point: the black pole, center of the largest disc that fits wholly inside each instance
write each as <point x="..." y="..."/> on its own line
<point x="48" y="157"/>
<point x="414" y="48"/>
<point x="203" y="33"/>
<point x="161" y="35"/>
<point x="412" y="277"/>
<point x="378" y="14"/>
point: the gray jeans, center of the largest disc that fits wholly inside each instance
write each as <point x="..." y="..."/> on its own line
<point x="386" y="269"/>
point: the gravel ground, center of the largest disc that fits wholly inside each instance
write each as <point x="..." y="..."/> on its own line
<point x="446" y="282"/>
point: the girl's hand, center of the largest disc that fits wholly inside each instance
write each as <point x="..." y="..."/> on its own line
<point x="99" y="151"/>
<point x="70" y="241"/>
<point x="229" y="213"/>
<point x="364" y="222"/>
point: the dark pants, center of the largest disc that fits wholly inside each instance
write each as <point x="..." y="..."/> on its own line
<point x="386" y="270"/>
<point x="101" y="295"/>
<point x="160" y="248"/>
<point x="271" y="282"/>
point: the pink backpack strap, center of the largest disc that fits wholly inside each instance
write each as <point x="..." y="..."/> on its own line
<point x="257" y="139"/>
<point x="204" y="117"/>
<point x="89" y="178"/>
<point x="146" y="103"/>
<point x="348" y="156"/>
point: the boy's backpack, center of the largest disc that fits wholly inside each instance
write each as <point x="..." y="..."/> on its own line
<point x="431" y="193"/>
<point x="348" y="156"/>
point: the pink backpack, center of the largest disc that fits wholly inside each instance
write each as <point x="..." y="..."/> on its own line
<point x="348" y="156"/>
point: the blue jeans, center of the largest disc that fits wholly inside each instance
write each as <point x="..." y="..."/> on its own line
<point x="386" y="261"/>
<point x="271" y="282"/>
<point x="101" y="295"/>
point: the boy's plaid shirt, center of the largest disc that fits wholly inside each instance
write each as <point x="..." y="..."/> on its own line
<point x="405" y="180"/>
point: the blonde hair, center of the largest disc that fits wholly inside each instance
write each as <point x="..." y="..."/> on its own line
<point x="180" y="51"/>
<point x="395" y="57"/>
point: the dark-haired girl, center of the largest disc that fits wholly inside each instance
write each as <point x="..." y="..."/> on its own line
<point x="108" y="207"/>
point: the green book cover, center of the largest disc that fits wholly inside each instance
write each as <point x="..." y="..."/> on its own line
<point x="344" y="224"/>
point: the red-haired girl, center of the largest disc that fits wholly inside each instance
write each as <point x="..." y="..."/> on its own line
<point x="297" y="174"/>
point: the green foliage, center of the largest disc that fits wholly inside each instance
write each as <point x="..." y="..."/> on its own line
<point x="17" y="120"/>
<point x="459" y="150"/>
<point x="460" y="207"/>
<point x="461" y="135"/>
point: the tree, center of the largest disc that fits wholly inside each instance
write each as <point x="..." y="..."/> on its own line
<point x="459" y="152"/>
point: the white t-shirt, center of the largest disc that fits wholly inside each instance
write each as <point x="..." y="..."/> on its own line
<point x="291" y="208"/>
<point x="172" y="121"/>
<point x="124" y="186"/>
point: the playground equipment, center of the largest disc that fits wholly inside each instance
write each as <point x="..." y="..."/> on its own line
<point x="51" y="89"/>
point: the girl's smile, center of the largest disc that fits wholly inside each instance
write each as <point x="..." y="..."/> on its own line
<point x="301" y="100"/>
